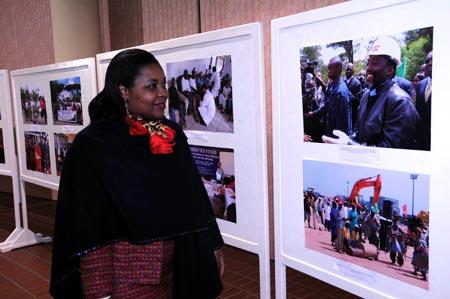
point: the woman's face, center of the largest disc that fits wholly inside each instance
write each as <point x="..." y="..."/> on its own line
<point x="148" y="96"/>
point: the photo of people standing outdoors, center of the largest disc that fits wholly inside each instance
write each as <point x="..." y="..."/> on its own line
<point x="37" y="151"/>
<point x="374" y="218"/>
<point x="216" y="167"/>
<point x="66" y="101"/>
<point x="372" y="91"/>
<point x="2" y="148"/>
<point x="62" y="144"/>
<point x="200" y="94"/>
<point x="34" y="110"/>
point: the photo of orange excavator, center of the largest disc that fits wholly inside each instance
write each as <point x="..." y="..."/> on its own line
<point x="374" y="182"/>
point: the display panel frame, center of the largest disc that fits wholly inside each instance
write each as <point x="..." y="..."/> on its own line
<point x="9" y="167"/>
<point x="316" y="27"/>
<point x="32" y="79"/>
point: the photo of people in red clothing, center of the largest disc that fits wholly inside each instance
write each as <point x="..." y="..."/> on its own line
<point x="37" y="151"/>
<point x="34" y="109"/>
<point x="200" y="94"/>
<point x="66" y="101"/>
<point x="62" y="144"/>
<point x="216" y="167"/>
<point x="372" y="91"/>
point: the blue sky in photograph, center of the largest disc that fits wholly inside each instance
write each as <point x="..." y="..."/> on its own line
<point x="73" y="80"/>
<point x="331" y="179"/>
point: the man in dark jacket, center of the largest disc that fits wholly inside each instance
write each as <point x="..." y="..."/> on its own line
<point x="337" y="101"/>
<point x="355" y="88"/>
<point x="386" y="117"/>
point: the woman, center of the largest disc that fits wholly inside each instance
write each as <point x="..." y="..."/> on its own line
<point x="133" y="218"/>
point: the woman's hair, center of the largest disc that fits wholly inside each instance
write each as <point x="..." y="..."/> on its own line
<point x="123" y="69"/>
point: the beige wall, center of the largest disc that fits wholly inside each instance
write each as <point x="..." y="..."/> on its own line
<point x="169" y="19"/>
<point x="25" y="34"/>
<point x="125" y="23"/>
<point x="76" y="29"/>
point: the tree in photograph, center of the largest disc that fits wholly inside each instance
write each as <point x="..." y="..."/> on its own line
<point x="418" y="43"/>
<point x="347" y="45"/>
<point x="310" y="53"/>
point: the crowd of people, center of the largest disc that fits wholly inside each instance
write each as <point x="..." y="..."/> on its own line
<point x="374" y="107"/>
<point x="37" y="152"/>
<point x="69" y="108"/>
<point x="352" y="226"/>
<point x="33" y="108"/>
<point x="200" y="94"/>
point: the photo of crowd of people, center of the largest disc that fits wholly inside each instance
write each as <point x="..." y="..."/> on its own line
<point x="34" y="110"/>
<point x="374" y="218"/>
<point x="372" y="91"/>
<point x="66" y="101"/>
<point x="216" y="167"/>
<point x="2" y="147"/>
<point x="200" y="94"/>
<point x="62" y="144"/>
<point x="37" y="151"/>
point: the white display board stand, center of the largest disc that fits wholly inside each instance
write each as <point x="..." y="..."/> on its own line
<point x="51" y="106"/>
<point x="296" y="161"/>
<point x="8" y="167"/>
<point x="243" y="46"/>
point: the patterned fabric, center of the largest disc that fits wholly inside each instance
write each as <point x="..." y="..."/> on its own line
<point x="97" y="273"/>
<point x="133" y="271"/>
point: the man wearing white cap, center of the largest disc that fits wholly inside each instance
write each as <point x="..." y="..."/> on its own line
<point x="386" y="116"/>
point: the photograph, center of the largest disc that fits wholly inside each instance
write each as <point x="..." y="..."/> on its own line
<point x="34" y="110"/>
<point x="373" y="91"/>
<point x="374" y="218"/>
<point x="200" y="94"/>
<point x="216" y="167"/>
<point x="2" y="148"/>
<point x="62" y="144"/>
<point x="37" y="151"/>
<point x="66" y="101"/>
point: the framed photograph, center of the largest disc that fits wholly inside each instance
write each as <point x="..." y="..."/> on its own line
<point x="200" y="94"/>
<point x="321" y="113"/>
<point x="51" y="108"/>
<point x="226" y="62"/>
<point x="33" y="104"/>
<point x="323" y="154"/>
<point x="66" y="101"/>
<point x="368" y="217"/>
<point x="216" y="167"/>
<point x="37" y="151"/>
<point x="63" y="141"/>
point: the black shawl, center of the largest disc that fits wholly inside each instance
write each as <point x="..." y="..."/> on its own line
<point x="113" y="189"/>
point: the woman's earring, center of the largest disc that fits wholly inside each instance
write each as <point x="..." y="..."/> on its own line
<point x="125" y="101"/>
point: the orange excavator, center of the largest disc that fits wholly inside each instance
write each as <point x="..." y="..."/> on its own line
<point x="374" y="182"/>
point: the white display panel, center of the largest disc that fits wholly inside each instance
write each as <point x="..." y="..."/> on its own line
<point x="353" y="21"/>
<point x="8" y="162"/>
<point x="243" y="44"/>
<point x="51" y="107"/>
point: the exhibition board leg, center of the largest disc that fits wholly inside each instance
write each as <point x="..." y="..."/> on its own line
<point x="21" y="235"/>
<point x="280" y="279"/>
<point x="264" y="275"/>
